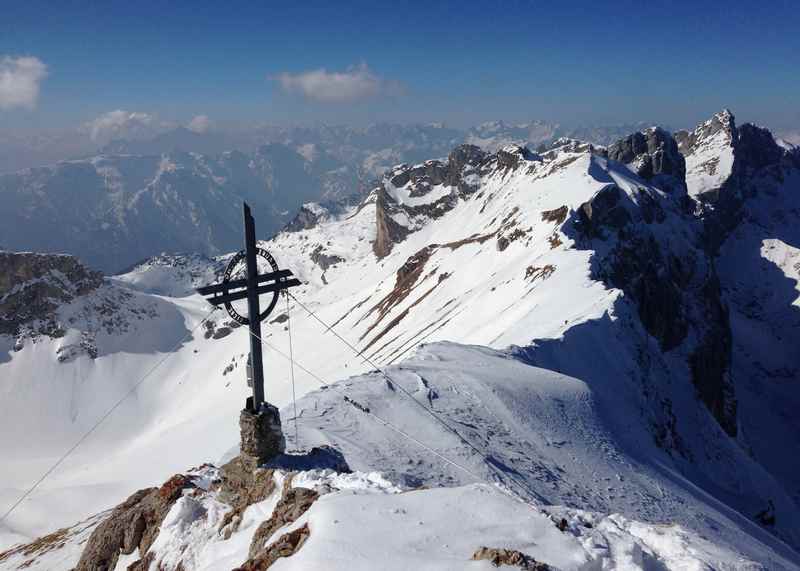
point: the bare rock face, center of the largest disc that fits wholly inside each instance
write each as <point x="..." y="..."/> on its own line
<point x="603" y="212"/>
<point x="463" y="160"/>
<point x="32" y="286"/>
<point x="133" y="524"/>
<point x="674" y="286"/>
<point x="242" y="484"/>
<point x="323" y="260"/>
<point x="293" y="503"/>
<point x="511" y="156"/>
<point x="388" y="232"/>
<point x="305" y="219"/>
<point x="285" y="546"/>
<point x="653" y="154"/>
<point x="722" y="121"/>
<point x="510" y="557"/>
<point x="261" y="435"/>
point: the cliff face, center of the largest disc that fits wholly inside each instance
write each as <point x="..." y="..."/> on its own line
<point x="409" y="197"/>
<point x="33" y="286"/>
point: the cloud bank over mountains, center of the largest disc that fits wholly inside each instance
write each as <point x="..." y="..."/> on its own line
<point x="356" y="83"/>
<point x="20" y="78"/>
<point x="123" y="124"/>
<point x="199" y="124"/>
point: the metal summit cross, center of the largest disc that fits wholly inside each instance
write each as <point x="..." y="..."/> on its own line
<point x="259" y="421"/>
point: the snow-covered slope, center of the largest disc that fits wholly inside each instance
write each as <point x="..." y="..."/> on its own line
<point x="360" y="521"/>
<point x="604" y="372"/>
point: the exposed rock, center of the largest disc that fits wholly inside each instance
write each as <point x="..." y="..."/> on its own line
<point x="132" y="525"/>
<point x="400" y="176"/>
<point x="722" y="121"/>
<point x="511" y="557"/>
<point x="307" y="217"/>
<point x="653" y="154"/>
<point x="293" y="503"/>
<point x="242" y="484"/>
<point x="510" y="157"/>
<point x="324" y="261"/>
<point x="32" y="286"/>
<point x="604" y="210"/>
<point x="459" y="159"/>
<point x="388" y="232"/>
<point x="755" y="149"/>
<point x="423" y="177"/>
<point x="533" y="273"/>
<point x="558" y="215"/>
<point x="86" y="346"/>
<point x="285" y="546"/>
<point x="674" y="292"/>
<point x="504" y="240"/>
<point x="710" y="362"/>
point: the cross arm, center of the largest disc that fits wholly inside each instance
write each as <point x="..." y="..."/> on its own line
<point x="277" y="286"/>
<point x="234" y="284"/>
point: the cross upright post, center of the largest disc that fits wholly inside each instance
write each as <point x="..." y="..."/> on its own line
<point x="259" y="421"/>
<point x="253" y="308"/>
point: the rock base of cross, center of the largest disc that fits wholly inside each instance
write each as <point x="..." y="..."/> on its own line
<point x="261" y="435"/>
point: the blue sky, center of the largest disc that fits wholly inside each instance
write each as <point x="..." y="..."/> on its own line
<point x="457" y="62"/>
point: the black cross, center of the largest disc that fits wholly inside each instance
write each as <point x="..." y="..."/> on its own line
<point x="230" y="290"/>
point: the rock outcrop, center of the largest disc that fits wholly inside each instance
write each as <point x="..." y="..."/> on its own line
<point x="33" y="286"/>
<point x="671" y="281"/>
<point x="294" y="502"/>
<point x="307" y="217"/>
<point x="509" y="557"/>
<point x="388" y="232"/>
<point x="132" y="525"/>
<point x="653" y="155"/>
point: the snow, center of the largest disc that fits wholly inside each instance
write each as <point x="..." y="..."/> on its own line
<point x="710" y="162"/>
<point x="361" y="522"/>
<point x="364" y="527"/>
<point x="566" y="411"/>
<point x="402" y="195"/>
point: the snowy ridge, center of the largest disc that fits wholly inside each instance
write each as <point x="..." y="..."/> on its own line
<point x="583" y="307"/>
<point x="361" y="521"/>
<point x="709" y="153"/>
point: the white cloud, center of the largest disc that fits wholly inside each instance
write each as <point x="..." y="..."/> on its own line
<point x="19" y="81"/>
<point x="354" y="84"/>
<point x="199" y="124"/>
<point x="121" y="124"/>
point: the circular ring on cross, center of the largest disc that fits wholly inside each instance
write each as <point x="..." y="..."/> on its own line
<point x="230" y="272"/>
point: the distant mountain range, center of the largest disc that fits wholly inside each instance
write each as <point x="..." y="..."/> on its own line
<point x="181" y="190"/>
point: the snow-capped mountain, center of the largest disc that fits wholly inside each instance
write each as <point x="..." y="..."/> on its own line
<point x="141" y="196"/>
<point x="114" y="210"/>
<point x="598" y="330"/>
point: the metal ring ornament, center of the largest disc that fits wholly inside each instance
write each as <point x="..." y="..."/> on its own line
<point x="240" y="257"/>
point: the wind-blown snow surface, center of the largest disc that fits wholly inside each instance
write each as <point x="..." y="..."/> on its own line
<point x="582" y="437"/>
<point x="362" y="521"/>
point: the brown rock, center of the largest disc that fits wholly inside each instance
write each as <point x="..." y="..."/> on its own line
<point x="512" y="557"/>
<point x="294" y="503"/>
<point x="133" y="524"/>
<point x="285" y="546"/>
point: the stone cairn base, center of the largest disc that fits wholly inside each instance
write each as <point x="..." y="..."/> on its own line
<point x="261" y="435"/>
